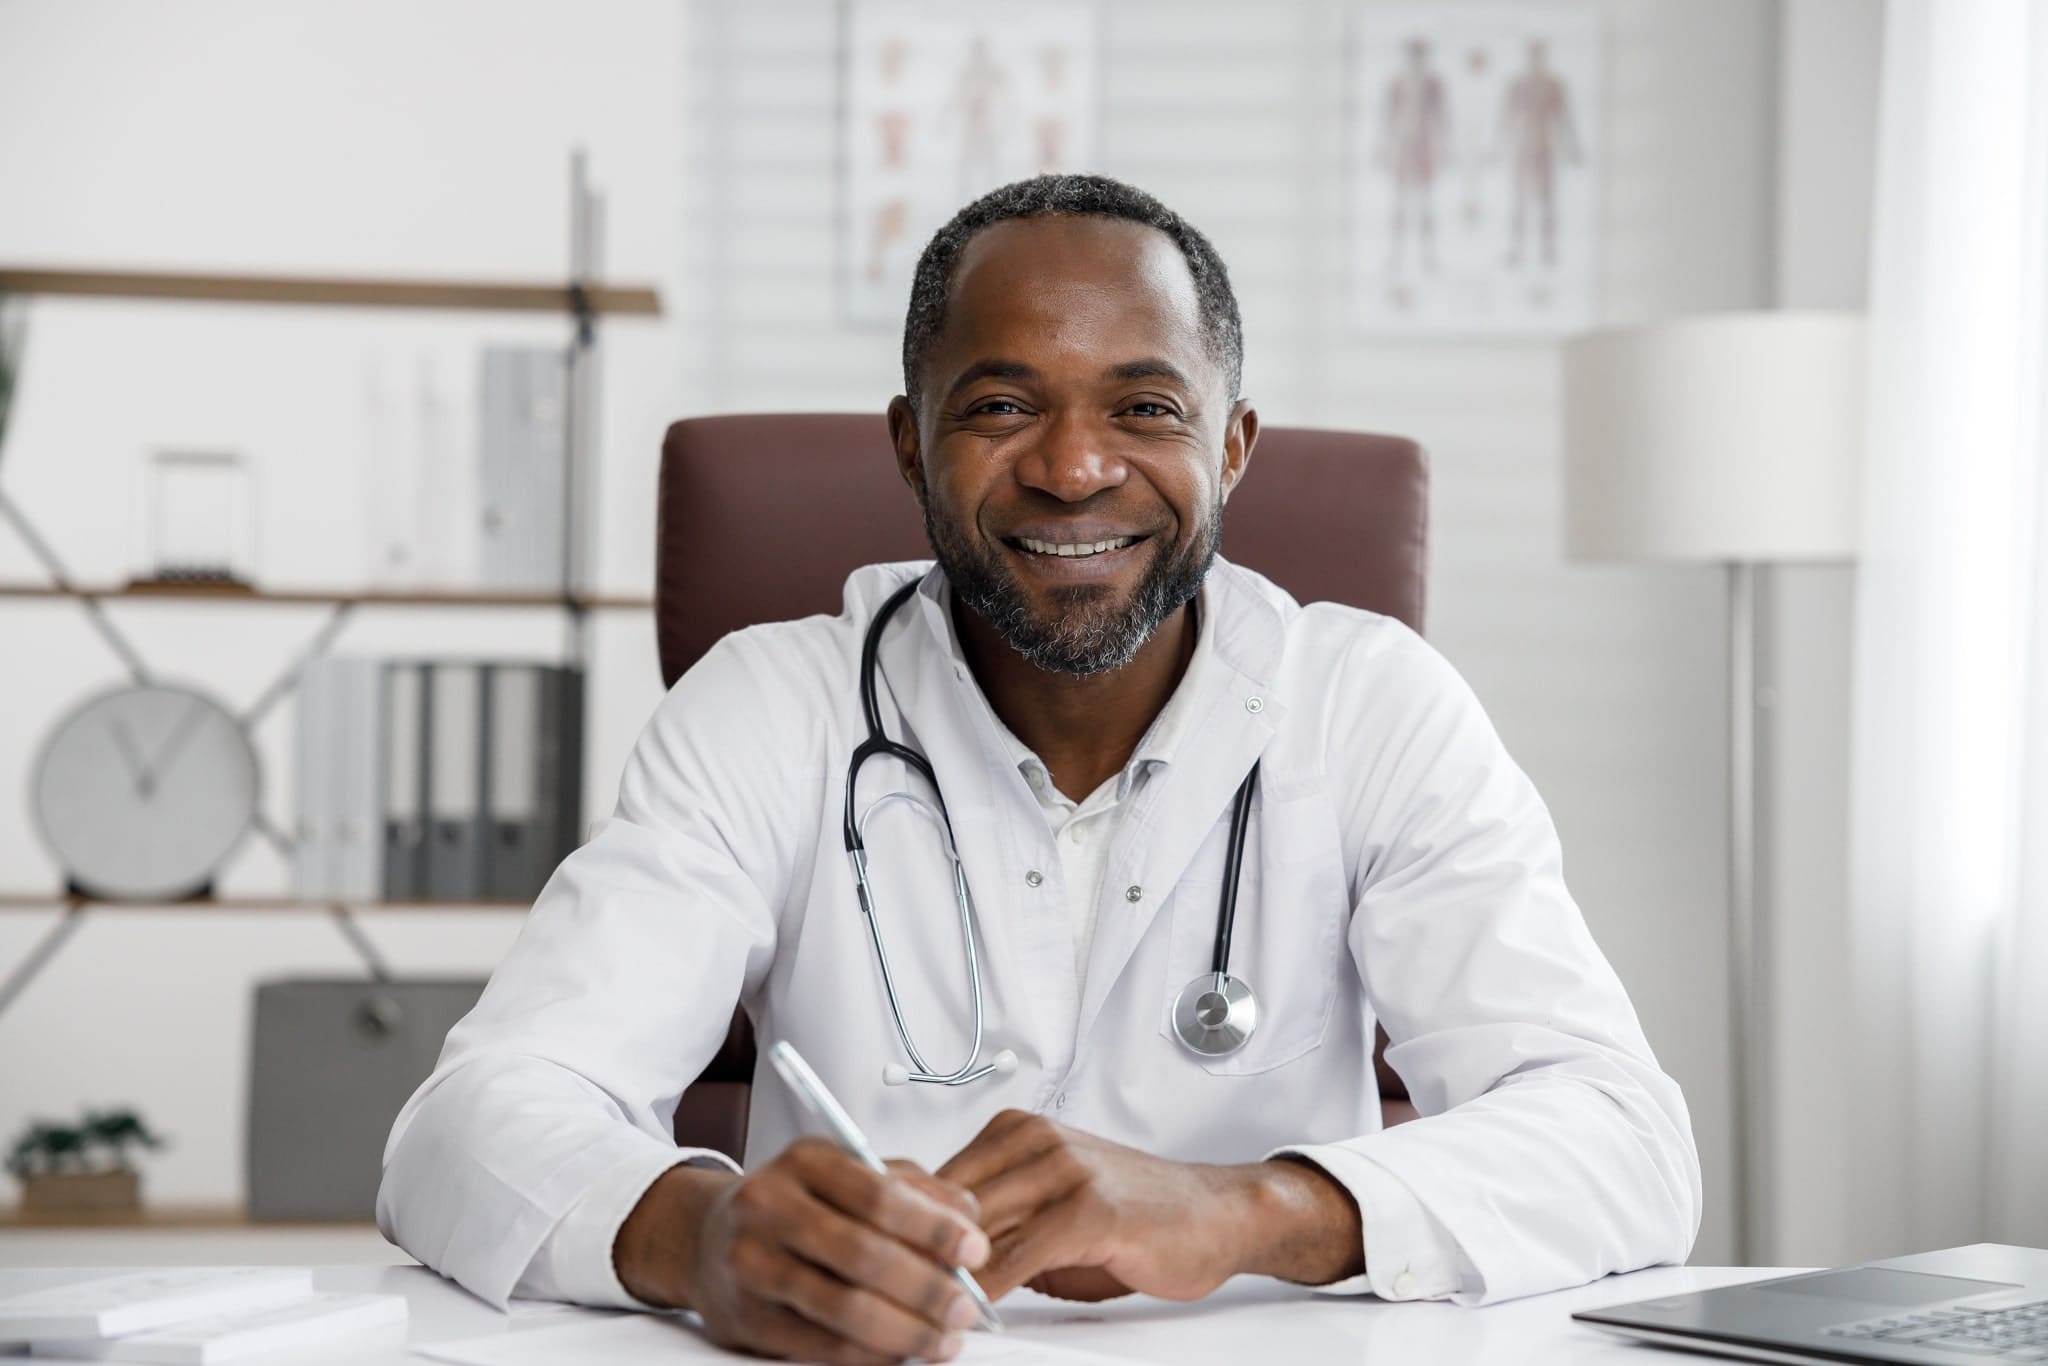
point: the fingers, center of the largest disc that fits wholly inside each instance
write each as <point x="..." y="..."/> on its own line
<point x="1011" y="1197"/>
<point x="850" y="1316"/>
<point x="1061" y="1236"/>
<point x="1011" y="1137"/>
<point x="941" y="1232"/>
<point x="859" y="1255"/>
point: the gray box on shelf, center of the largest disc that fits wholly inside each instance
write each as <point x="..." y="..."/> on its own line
<point x="331" y="1064"/>
<point x="534" y="746"/>
<point x="522" y="436"/>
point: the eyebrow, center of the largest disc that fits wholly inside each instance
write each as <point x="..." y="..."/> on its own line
<point x="993" y="369"/>
<point x="1152" y="367"/>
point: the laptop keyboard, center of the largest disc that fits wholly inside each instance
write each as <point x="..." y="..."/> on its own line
<point x="2019" y="1333"/>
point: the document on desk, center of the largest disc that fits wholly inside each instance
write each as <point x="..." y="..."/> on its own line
<point x="663" y="1339"/>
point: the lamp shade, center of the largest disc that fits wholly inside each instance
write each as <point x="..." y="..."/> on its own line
<point x="1731" y="437"/>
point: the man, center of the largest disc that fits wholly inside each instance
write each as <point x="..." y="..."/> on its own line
<point x="1091" y="686"/>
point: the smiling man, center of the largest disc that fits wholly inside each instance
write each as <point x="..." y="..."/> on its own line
<point x="1094" y="735"/>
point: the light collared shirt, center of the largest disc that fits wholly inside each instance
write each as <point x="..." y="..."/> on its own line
<point x="1399" y="869"/>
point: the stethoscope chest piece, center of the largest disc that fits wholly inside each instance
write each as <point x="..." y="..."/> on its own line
<point x="1215" y="1014"/>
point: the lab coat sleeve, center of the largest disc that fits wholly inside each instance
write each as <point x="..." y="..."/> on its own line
<point x="1552" y="1149"/>
<point x="559" y="1089"/>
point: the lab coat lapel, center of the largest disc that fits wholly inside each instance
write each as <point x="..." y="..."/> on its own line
<point x="1173" y="814"/>
<point x="935" y="708"/>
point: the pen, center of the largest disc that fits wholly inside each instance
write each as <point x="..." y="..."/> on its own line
<point x="828" y="1112"/>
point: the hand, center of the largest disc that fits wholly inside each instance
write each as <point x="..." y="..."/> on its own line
<point x="811" y="1256"/>
<point x="1082" y="1218"/>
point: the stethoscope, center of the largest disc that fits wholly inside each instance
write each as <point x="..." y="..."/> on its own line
<point x="1214" y="1015"/>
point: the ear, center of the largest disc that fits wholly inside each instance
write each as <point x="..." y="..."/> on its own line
<point x="1240" y="434"/>
<point x="909" y="454"/>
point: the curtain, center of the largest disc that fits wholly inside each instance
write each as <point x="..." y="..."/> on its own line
<point x="1948" y="1136"/>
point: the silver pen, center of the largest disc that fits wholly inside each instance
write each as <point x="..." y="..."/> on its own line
<point x="827" y="1110"/>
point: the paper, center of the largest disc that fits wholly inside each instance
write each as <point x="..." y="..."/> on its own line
<point x="318" y="1321"/>
<point x="659" y="1339"/>
<point x="143" y="1300"/>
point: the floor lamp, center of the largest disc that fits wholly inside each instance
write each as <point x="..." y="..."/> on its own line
<point x="1730" y="439"/>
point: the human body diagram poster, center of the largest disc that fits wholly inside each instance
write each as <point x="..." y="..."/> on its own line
<point x="1475" y="170"/>
<point x="942" y="103"/>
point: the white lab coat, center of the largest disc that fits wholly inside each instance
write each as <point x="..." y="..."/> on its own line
<point x="1399" y="868"/>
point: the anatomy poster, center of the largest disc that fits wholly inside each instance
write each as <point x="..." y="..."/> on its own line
<point x="1475" y="170"/>
<point x="942" y="103"/>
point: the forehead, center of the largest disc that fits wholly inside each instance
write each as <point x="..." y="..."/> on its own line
<point x="1102" y="289"/>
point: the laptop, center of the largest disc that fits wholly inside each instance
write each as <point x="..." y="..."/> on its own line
<point x="1982" y="1304"/>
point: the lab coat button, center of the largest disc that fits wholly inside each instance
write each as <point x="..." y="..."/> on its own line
<point x="1134" y="893"/>
<point x="1404" y="1284"/>
<point x="1033" y="878"/>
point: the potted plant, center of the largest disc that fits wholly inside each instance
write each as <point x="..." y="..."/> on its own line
<point x="81" y="1168"/>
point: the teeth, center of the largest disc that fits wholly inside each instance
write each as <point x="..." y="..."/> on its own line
<point x="1074" y="549"/>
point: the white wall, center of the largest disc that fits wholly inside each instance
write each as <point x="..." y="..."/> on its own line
<point x="381" y="137"/>
<point x="1826" y="163"/>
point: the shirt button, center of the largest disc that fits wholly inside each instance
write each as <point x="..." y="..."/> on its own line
<point x="1404" y="1284"/>
<point x="1075" y="833"/>
<point x="1033" y="878"/>
<point x="1255" y="705"/>
<point x="1134" y="893"/>
<point x="1060" y="1101"/>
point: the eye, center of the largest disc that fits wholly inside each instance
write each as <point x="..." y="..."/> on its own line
<point x="1148" y="408"/>
<point x="997" y="407"/>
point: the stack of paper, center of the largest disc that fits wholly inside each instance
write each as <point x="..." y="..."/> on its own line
<point x="195" y="1316"/>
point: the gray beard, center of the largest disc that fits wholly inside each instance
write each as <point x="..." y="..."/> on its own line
<point x="1085" y="635"/>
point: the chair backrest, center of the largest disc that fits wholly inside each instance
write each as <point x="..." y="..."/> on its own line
<point x="762" y="517"/>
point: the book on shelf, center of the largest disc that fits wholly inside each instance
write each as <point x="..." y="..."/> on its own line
<point x="436" y="780"/>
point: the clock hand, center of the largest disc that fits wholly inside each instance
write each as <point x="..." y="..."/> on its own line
<point x="194" y="712"/>
<point x="131" y="754"/>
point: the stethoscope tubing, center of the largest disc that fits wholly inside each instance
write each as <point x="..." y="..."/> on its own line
<point x="876" y="743"/>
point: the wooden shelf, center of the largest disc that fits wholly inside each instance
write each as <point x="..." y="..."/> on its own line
<point x="160" y="1216"/>
<point x="46" y="901"/>
<point x="401" y="597"/>
<point x="492" y="295"/>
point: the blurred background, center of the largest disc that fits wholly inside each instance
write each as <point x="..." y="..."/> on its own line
<point x="1436" y="217"/>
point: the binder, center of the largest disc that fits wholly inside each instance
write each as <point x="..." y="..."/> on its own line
<point x="454" y="715"/>
<point x="534" y="740"/>
<point x="516" y="849"/>
<point x="559" y="787"/>
<point x="356" y="743"/>
<point x="312" y="757"/>
<point x="405" y="774"/>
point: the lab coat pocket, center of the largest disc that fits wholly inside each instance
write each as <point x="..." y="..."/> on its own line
<point x="1287" y="941"/>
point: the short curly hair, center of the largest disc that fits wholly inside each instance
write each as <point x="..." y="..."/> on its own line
<point x="1090" y="196"/>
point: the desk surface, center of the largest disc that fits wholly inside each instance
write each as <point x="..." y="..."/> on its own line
<point x="1247" y="1321"/>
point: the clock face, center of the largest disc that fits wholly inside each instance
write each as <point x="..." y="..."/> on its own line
<point x="142" y="792"/>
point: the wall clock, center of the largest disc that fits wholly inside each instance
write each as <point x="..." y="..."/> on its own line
<point x="143" y="791"/>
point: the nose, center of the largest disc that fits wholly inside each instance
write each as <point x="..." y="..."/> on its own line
<point x="1072" y="460"/>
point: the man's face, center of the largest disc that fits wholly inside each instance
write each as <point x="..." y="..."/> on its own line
<point x="1076" y="441"/>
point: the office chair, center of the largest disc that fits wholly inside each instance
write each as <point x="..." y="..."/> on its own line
<point x="1329" y="516"/>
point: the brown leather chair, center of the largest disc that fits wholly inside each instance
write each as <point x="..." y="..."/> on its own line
<point x="761" y="518"/>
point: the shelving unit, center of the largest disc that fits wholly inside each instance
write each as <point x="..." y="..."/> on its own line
<point x="582" y="298"/>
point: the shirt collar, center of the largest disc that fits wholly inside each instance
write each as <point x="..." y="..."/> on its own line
<point x="1161" y="739"/>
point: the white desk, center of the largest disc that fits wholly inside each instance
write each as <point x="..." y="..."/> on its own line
<point x="1249" y="1321"/>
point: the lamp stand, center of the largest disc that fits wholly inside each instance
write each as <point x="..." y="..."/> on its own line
<point x="1748" y="964"/>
